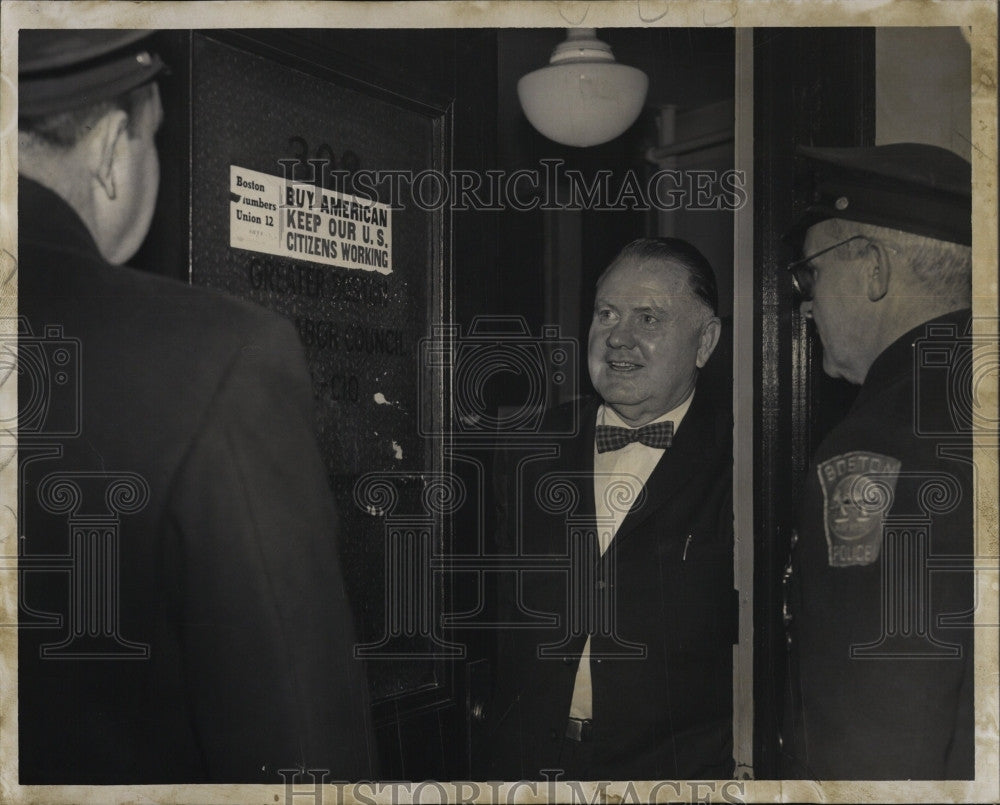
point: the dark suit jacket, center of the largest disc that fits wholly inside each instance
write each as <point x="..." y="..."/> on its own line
<point x="188" y="471"/>
<point x="668" y="712"/>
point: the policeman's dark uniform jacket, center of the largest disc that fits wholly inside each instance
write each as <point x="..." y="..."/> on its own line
<point x="225" y="655"/>
<point x="667" y="576"/>
<point x="881" y="590"/>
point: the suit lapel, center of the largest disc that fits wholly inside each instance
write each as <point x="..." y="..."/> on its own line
<point x="675" y="468"/>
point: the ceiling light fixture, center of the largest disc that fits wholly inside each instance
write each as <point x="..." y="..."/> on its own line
<point x="583" y="97"/>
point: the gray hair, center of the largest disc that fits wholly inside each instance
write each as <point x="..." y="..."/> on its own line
<point x="942" y="269"/>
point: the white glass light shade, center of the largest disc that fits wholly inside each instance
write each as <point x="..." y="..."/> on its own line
<point x="584" y="97"/>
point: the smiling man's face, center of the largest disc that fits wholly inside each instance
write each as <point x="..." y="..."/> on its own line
<point x="649" y="336"/>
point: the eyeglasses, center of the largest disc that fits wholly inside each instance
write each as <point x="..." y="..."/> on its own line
<point x="803" y="274"/>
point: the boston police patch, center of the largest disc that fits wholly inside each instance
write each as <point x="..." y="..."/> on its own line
<point x="857" y="491"/>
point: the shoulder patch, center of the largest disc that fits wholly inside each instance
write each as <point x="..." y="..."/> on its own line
<point x="858" y="488"/>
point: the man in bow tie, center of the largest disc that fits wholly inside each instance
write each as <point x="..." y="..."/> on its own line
<point x="616" y="662"/>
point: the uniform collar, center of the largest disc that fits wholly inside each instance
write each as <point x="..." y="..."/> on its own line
<point x="44" y="217"/>
<point x="896" y="360"/>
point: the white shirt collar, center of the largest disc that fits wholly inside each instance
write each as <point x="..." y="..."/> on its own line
<point x="606" y="415"/>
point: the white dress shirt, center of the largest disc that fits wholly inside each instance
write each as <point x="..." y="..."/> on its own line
<point x="631" y="465"/>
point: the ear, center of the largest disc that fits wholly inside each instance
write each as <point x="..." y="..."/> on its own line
<point x="880" y="273"/>
<point x="710" y="332"/>
<point x="102" y="148"/>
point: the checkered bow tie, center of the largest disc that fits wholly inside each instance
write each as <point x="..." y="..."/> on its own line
<point x="656" y="434"/>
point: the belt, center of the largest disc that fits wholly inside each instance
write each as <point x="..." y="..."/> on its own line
<point x="580" y="730"/>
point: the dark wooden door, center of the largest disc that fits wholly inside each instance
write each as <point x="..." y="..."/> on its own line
<point x="811" y="87"/>
<point x="247" y="111"/>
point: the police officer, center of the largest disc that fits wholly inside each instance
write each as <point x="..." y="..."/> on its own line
<point x="881" y="578"/>
<point x="182" y="612"/>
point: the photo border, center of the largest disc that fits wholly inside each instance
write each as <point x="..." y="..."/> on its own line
<point x="978" y="17"/>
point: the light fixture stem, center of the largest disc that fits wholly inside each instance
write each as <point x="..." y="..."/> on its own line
<point x="581" y="44"/>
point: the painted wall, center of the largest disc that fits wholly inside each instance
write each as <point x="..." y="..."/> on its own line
<point x="923" y="87"/>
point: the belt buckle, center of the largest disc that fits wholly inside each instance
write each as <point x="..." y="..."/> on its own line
<point x="579" y="729"/>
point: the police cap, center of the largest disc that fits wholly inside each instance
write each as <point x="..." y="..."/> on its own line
<point x="923" y="189"/>
<point x="63" y="70"/>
